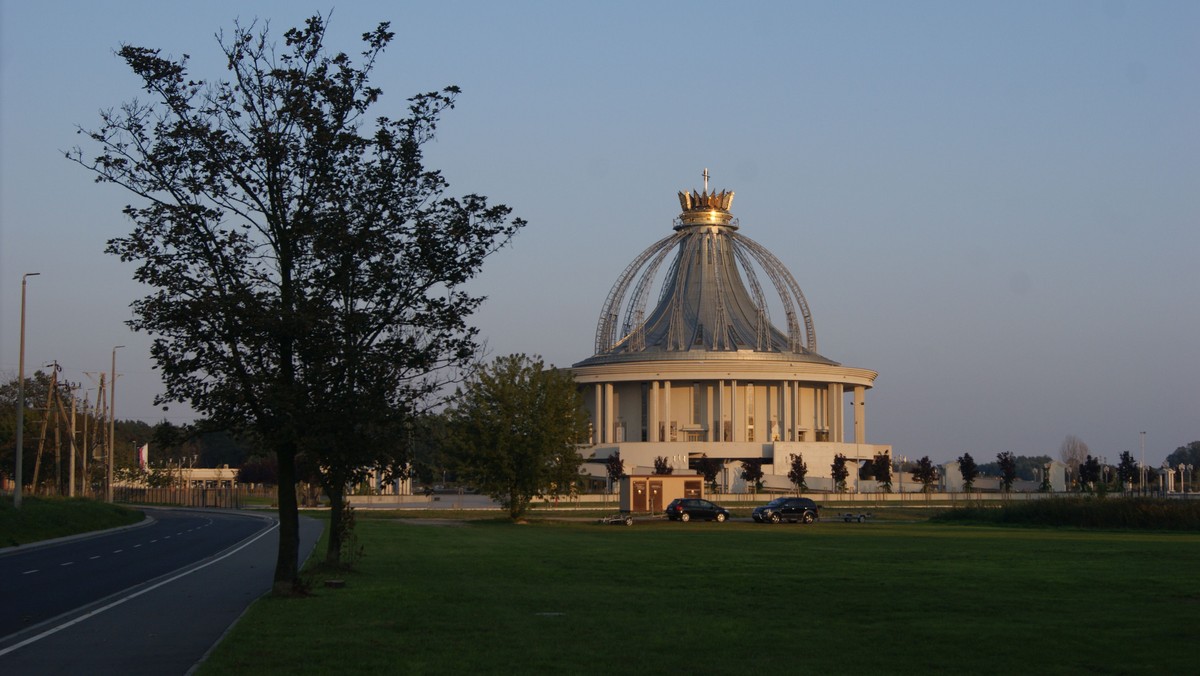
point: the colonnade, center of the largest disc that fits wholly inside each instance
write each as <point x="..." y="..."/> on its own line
<point x="724" y="410"/>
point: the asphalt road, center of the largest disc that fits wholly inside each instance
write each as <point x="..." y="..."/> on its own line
<point x="145" y="600"/>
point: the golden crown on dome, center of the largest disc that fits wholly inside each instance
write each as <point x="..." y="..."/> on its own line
<point x="706" y="208"/>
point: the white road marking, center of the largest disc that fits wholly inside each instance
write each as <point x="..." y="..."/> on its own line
<point x="114" y="604"/>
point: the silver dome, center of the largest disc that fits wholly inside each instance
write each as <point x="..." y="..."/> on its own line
<point x="711" y="304"/>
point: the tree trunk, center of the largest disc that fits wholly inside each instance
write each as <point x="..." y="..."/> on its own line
<point x="337" y="523"/>
<point x="287" y="573"/>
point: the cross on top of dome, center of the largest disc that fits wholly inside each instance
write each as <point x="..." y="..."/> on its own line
<point x="706" y="208"/>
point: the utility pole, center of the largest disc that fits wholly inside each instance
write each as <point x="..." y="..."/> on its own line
<point x="112" y="425"/>
<point x="37" y="463"/>
<point x="21" y="398"/>
<point x="71" y="482"/>
<point x="71" y="421"/>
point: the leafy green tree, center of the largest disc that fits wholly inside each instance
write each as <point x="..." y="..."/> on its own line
<point x="1046" y="486"/>
<point x="926" y="474"/>
<point x="969" y="471"/>
<point x="1026" y="467"/>
<point x="710" y="469"/>
<point x="881" y="468"/>
<point x="798" y="472"/>
<point x="37" y="386"/>
<point x="615" y="467"/>
<point x="752" y="472"/>
<point x="430" y="441"/>
<point x="1187" y="455"/>
<point x="1127" y="469"/>
<point x="291" y="238"/>
<point x="259" y="470"/>
<point x="662" y="466"/>
<point x="839" y="472"/>
<point x="1089" y="473"/>
<point x="1007" y="463"/>
<point x="516" y="426"/>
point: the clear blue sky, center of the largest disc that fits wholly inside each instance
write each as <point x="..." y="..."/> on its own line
<point x="994" y="205"/>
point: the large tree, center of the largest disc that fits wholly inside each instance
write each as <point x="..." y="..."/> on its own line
<point x="926" y="474"/>
<point x="1187" y="455"/>
<point x="1007" y="463"/>
<point x="1127" y="469"/>
<point x="1073" y="452"/>
<point x="798" y="472"/>
<point x="969" y="471"/>
<point x="663" y="466"/>
<point x="752" y="473"/>
<point x="839" y="472"/>
<point x="294" y="245"/>
<point x="1089" y="473"/>
<point x="516" y="425"/>
<point x="881" y="469"/>
<point x="709" y="468"/>
<point x="614" y="466"/>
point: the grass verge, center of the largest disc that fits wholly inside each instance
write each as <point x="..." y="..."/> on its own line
<point x="46" y="518"/>
<point x="581" y="598"/>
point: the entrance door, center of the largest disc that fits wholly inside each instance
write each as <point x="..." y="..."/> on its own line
<point x="656" y="497"/>
<point x="639" y="496"/>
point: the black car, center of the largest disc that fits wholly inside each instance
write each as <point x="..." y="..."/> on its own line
<point x="788" y="509"/>
<point x="686" y="509"/>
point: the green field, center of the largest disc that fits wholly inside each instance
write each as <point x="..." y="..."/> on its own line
<point x="555" y="597"/>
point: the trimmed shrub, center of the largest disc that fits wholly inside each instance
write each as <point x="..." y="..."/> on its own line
<point x="1085" y="512"/>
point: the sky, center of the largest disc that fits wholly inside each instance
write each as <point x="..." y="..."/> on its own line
<point x="994" y="205"/>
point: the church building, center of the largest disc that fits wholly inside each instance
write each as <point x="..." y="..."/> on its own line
<point x="704" y="370"/>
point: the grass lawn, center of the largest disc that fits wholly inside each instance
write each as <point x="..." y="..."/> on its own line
<point x="45" y="518"/>
<point x="876" y="598"/>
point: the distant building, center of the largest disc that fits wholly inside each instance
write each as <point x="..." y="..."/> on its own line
<point x="704" y="371"/>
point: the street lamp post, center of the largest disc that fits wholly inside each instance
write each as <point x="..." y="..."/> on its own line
<point x="21" y="399"/>
<point x="112" y="423"/>
<point x="1143" y="464"/>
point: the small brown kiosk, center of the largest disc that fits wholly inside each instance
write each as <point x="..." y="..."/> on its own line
<point x="653" y="492"/>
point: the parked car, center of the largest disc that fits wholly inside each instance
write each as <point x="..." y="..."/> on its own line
<point x="788" y="509"/>
<point x="686" y="509"/>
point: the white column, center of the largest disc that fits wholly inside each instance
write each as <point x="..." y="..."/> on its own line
<point x="736" y="434"/>
<point x="667" y="418"/>
<point x="709" y="406"/>
<point x="652" y="433"/>
<point x="788" y="433"/>
<point x="598" y="416"/>
<point x="609" y="417"/>
<point x="860" y="415"/>
<point x="720" y="433"/>
<point x="837" y="420"/>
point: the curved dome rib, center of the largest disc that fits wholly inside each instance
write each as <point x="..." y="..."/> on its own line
<point x="784" y="283"/>
<point x="611" y="310"/>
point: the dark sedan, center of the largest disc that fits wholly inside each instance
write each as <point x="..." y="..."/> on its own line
<point x="687" y="509"/>
<point x="788" y="509"/>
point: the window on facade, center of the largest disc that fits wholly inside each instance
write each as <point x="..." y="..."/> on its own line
<point x="645" y="411"/>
